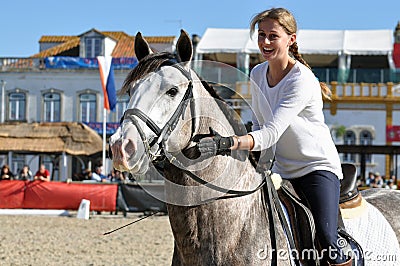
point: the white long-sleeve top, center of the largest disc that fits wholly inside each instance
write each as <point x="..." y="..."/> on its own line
<point x="289" y="115"/>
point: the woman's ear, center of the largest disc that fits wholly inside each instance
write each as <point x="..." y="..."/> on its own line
<point x="293" y="38"/>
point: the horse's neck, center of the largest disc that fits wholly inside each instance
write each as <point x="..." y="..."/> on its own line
<point x="223" y="226"/>
<point x="222" y="171"/>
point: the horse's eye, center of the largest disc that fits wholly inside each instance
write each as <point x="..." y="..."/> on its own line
<point x="172" y="92"/>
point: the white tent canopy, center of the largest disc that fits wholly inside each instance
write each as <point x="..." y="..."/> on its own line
<point x="352" y="42"/>
<point x="227" y="41"/>
<point x="232" y="45"/>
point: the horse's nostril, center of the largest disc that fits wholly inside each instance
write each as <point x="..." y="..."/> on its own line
<point x="129" y="148"/>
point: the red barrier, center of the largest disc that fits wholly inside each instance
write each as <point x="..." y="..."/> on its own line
<point x="11" y="194"/>
<point x="57" y="195"/>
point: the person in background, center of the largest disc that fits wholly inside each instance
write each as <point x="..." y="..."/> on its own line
<point x="392" y="182"/>
<point x="42" y="174"/>
<point x="97" y="174"/>
<point x="6" y="173"/>
<point x="87" y="174"/>
<point x="377" y="182"/>
<point x="25" y="174"/>
<point x="370" y="179"/>
<point x="116" y="176"/>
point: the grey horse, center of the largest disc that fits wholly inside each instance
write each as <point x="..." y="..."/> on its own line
<point x="163" y="121"/>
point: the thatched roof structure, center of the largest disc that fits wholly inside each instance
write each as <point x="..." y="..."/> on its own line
<point x="57" y="137"/>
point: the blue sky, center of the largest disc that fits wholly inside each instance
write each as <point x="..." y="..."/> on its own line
<point x="23" y="22"/>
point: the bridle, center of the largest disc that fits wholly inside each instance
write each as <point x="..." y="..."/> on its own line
<point x="161" y="154"/>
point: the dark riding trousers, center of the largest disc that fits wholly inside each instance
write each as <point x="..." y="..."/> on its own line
<point x="320" y="190"/>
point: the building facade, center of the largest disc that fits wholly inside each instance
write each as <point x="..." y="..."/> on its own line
<point x="62" y="83"/>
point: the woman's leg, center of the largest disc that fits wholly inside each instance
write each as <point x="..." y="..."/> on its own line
<point x="320" y="190"/>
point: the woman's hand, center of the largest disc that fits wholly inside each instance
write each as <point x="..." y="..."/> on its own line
<point x="215" y="145"/>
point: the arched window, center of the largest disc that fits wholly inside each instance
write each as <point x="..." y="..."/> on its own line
<point x="17" y="106"/>
<point x="87" y="107"/>
<point x="349" y="139"/>
<point x="366" y="139"/>
<point x="52" y="107"/>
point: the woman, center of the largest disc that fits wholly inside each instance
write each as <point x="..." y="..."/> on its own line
<point x="305" y="153"/>
<point x="25" y="174"/>
<point x="6" y="173"/>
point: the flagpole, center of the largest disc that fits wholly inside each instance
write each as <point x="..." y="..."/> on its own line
<point x="104" y="140"/>
<point x="109" y="94"/>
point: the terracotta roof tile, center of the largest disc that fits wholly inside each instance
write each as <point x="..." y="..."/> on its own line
<point x="117" y="35"/>
<point x="160" y="39"/>
<point x="55" y="50"/>
<point x="47" y="38"/>
<point x="124" y="47"/>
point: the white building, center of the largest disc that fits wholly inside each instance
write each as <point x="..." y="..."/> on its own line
<point x="62" y="83"/>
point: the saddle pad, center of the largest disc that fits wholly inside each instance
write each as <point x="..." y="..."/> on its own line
<point x="376" y="237"/>
<point x="350" y="213"/>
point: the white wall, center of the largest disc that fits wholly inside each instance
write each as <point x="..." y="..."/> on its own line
<point x="69" y="83"/>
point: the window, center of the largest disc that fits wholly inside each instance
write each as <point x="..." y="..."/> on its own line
<point x="93" y="47"/>
<point x="366" y="139"/>
<point x="349" y="139"/>
<point x="122" y="105"/>
<point x="18" y="161"/>
<point x="52" y="107"/>
<point x="87" y="107"/>
<point x="17" y="106"/>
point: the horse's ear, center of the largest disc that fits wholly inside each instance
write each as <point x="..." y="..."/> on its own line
<point x="184" y="47"/>
<point x="142" y="48"/>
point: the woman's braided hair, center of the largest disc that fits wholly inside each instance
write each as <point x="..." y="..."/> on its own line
<point x="288" y="23"/>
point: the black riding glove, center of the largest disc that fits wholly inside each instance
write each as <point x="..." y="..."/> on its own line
<point x="215" y="145"/>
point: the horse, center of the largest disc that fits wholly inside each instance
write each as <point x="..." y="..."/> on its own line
<point x="218" y="211"/>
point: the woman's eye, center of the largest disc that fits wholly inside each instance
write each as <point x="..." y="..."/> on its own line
<point x="273" y="36"/>
<point x="172" y="92"/>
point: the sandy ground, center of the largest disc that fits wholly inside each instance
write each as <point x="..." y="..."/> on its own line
<point x="48" y="240"/>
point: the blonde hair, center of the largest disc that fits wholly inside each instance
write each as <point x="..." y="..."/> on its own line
<point x="288" y="23"/>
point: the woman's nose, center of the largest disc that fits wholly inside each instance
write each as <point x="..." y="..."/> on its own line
<point x="266" y="40"/>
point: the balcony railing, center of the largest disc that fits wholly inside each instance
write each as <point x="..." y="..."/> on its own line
<point x="8" y="63"/>
<point x="361" y="90"/>
<point x="61" y="62"/>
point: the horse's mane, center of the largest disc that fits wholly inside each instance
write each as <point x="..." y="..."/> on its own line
<point x="152" y="63"/>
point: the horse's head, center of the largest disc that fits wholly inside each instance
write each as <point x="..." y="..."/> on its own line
<point x="160" y="87"/>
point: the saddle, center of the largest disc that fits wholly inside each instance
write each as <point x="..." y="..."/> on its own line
<point x="302" y="223"/>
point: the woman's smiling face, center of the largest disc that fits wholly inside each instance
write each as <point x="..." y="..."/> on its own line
<point x="273" y="41"/>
